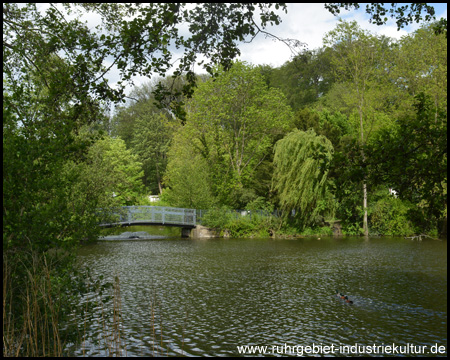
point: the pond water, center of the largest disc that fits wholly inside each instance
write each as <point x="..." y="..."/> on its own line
<point x="209" y="297"/>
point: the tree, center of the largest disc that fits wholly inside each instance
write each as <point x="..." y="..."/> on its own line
<point x="39" y="136"/>
<point x="411" y="157"/>
<point x="421" y="66"/>
<point x="111" y="159"/>
<point x="358" y="61"/>
<point x="233" y="122"/>
<point x="140" y="103"/>
<point x="331" y="125"/>
<point x="305" y="78"/>
<point x="302" y="160"/>
<point x="152" y="135"/>
<point x="187" y="179"/>
<point x="144" y="41"/>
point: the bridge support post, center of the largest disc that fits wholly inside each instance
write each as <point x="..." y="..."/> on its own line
<point x="186" y="232"/>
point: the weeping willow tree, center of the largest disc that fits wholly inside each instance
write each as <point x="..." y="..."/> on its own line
<point x="302" y="161"/>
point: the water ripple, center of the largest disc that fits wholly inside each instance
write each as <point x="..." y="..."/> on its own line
<point x="206" y="298"/>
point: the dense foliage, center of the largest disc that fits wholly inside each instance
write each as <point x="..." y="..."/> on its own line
<point x="302" y="161"/>
<point x="411" y="156"/>
<point x="325" y="137"/>
<point x="57" y="170"/>
<point x="363" y="96"/>
<point x="232" y="124"/>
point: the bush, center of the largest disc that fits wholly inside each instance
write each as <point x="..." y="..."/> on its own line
<point x="253" y="224"/>
<point x="351" y="228"/>
<point x="217" y="218"/>
<point x="390" y="216"/>
<point x="242" y="227"/>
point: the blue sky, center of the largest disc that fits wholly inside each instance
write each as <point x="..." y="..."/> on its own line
<point x="307" y="23"/>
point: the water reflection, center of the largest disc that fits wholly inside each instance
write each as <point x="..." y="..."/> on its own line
<point x="187" y="297"/>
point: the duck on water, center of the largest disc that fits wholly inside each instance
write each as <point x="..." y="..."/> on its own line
<point x="343" y="297"/>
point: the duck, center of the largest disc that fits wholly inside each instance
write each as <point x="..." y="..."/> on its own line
<point x="347" y="300"/>
<point x="343" y="297"/>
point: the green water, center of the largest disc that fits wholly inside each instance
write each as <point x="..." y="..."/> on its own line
<point x="169" y="231"/>
<point x="206" y="297"/>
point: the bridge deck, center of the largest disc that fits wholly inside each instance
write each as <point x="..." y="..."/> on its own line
<point x="143" y="222"/>
<point x="150" y="215"/>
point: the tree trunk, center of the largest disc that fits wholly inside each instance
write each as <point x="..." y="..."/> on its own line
<point x="159" y="180"/>
<point x="160" y="187"/>
<point x="365" y="222"/>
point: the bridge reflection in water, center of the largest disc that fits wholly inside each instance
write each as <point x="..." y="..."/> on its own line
<point x="150" y="215"/>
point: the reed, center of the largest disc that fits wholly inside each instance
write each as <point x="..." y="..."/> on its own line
<point x="32" y="314"/>
<point x="110" y="320"/>
<point x="117" y="319"/>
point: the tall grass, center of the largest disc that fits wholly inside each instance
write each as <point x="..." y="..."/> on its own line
<point x="30" y="313"/>
<point x="35" y="318"/>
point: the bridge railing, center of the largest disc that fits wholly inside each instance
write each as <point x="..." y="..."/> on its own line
<point x="151" y="214"/>
<point x="166" y="215"/>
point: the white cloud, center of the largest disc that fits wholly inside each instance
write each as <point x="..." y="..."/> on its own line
<point x="304" y="22"/>
<point x="307" y="23"/>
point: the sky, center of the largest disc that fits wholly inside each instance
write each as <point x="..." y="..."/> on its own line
<point x="307" y="23"/>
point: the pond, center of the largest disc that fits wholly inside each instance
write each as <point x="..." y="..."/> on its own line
<point x="212" y="297"/>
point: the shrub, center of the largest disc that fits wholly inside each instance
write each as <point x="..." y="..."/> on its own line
<point x="254" y="223"/>
<point x="217" y="218"/>
<point x="390" y="216"/>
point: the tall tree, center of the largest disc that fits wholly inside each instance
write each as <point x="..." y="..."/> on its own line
<point x="302" y="160"/>
<point x="152" y="135"/>
<point x="188" y="177"/>
<point x="141" y="102"/>
<point x="305" y="78"/>
<point x="357" y="60"/>
<point x="421" y="66"/>
<point x="233" y="122"/>
<point x="109" y="157"/>
<point x="411" y="156"/>
<point x="109" y="176"/>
